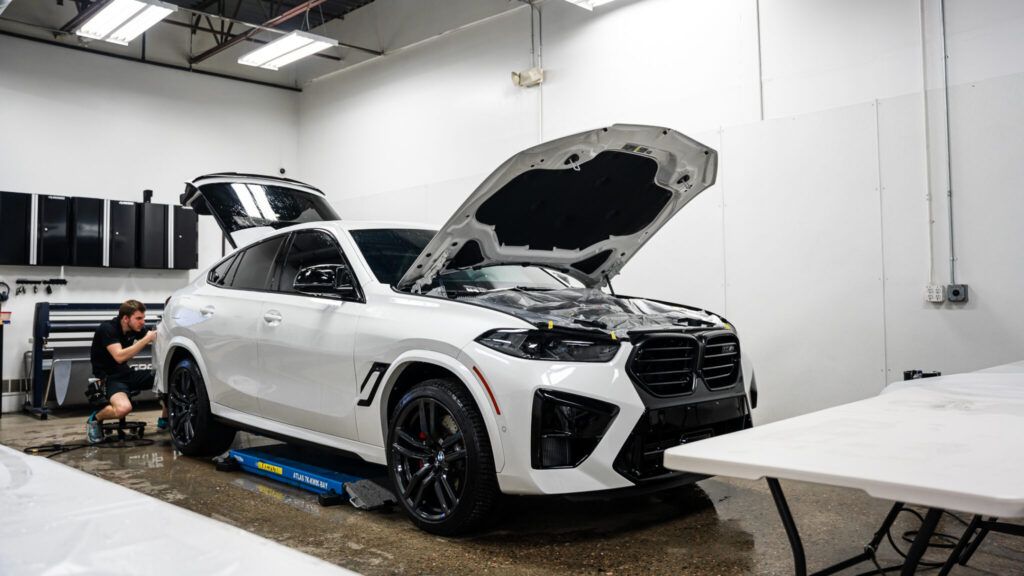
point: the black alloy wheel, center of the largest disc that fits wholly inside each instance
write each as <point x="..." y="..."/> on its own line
<point x="440" y="460"/>
<point x="430" y="460"/>
<point x="194" y="432"/>
<point x="181" y="406"/>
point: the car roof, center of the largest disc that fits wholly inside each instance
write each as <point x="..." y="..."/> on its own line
<point x="349" y="225"/>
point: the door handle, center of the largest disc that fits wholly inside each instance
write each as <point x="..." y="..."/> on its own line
<point x="207" y="311"/>
<point x="272" y="317"/>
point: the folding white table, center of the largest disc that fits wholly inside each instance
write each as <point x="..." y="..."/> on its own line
<point x="947" y="443"/>
<point x="59" y="520"/>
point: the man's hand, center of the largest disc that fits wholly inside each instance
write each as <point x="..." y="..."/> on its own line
<point x="122" y="355"/>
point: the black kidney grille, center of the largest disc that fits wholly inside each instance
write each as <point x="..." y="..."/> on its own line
<point x="721" y="361"/>
<point x="665" y="365"/>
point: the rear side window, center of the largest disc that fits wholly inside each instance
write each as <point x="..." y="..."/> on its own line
<point x="255" y="264"/>
<point x="309" y="249"/>
<point x="219" y="275"/>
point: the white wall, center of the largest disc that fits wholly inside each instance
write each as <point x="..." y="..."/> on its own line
<point x="815" y="241"/>
<point x="80" y="124"/>
<point x="407" y="136"/>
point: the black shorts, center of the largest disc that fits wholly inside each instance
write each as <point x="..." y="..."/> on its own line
<point x="134" y="381"/>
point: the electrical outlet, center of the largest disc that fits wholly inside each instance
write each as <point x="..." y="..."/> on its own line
<point x="957" y="292"/>
<point x="936" y="293"/>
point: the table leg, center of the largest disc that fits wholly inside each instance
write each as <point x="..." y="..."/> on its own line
<point x="966" y="556"/>
<point x="960" y="546"/>
<point x="920" y="545"/>
<point x="799" y="560"/>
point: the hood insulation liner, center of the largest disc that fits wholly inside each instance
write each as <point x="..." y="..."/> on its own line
<point x="612" y="195"/>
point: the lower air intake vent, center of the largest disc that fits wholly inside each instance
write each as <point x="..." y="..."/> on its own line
<point x="721" y="361"/>
<point x="642" y="456"/>
<point x="665" y="364"/>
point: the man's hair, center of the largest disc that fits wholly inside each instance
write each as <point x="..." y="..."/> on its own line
<point x="129" y="307"/>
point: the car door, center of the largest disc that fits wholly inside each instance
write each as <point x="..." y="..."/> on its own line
<point x="306" y="344"/>
<point x="227" y="314"/>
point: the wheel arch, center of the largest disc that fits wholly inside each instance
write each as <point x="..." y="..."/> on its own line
<point x="176" y="349"/>
<point x="414" y="367"/>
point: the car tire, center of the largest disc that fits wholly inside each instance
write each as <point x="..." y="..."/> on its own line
<point x="194" y="432"/>
<point x="439" y="459"/>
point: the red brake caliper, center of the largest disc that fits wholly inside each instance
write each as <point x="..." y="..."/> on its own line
<point x="423" y="436"/>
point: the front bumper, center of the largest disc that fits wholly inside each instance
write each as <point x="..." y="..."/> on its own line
<point x="629" y="453"/>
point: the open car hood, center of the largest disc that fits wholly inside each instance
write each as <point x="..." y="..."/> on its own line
<point x="583" y="204"/>
<point x="248" y="206"/>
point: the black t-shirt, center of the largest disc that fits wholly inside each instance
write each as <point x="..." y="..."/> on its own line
<point x="109" y="332"/>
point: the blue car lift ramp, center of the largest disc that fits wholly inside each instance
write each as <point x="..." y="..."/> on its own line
<point x="332" y="486"/>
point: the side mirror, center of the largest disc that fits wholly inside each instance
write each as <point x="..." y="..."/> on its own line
<point x="326" y="279"/>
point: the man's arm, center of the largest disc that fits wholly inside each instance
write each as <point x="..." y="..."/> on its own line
<point x="122" y="355"/>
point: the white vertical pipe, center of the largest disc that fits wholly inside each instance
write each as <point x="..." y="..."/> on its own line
<point x="949" y="156"/>
<point x="927" y="147"/>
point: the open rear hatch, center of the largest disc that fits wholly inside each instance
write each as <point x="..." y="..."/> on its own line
<point x="248" y="207"/>
<point x="583" y="204"/>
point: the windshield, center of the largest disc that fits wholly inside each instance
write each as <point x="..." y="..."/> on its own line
<point x="240" y="206"/>
<point x="390" y="252"/>
<point x="461" y="282"/>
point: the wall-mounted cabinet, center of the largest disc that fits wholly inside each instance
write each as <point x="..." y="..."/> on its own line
<point x="15" y="216"/>
<point x="44" y="230"/>
<point x="151" y="235"/>
<point x="53" y="247"/>
<point x="122" y="234"/>
<point x="86" y="232"/>
<point x="185" y="238"/>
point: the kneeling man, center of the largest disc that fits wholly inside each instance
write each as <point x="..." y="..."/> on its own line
<point x="116" y="341"/>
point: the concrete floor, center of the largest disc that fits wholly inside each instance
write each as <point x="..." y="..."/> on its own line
<point x="720" y="527"/>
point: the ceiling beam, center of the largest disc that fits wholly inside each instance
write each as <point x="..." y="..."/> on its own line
<point x="283" y="17"/>
<point x="199" y="28"/>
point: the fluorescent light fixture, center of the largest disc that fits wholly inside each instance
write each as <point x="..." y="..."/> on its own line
<point x="287" y="49"/>
<point x="121" y="21"/>
<point x="589" y="4"/>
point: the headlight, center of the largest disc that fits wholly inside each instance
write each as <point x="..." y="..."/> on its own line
<point x="545" y="345"/>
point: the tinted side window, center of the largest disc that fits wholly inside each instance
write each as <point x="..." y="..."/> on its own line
<point x="391" y="251"/>
<point x="232" y="270"/>
<point x="218" y="275"/>
<point x="309" y="249"/>
<point x="255" y="265"/>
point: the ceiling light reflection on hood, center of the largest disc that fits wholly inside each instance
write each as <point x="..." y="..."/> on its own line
<point x="287" y="49"/>
<point x="121" y="21"/>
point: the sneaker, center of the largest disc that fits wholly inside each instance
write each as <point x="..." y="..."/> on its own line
<point x="161" y="424"/>
<point x="94" y="429"/>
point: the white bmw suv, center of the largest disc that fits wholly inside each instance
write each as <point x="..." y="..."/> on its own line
<point x="490" y="356"/>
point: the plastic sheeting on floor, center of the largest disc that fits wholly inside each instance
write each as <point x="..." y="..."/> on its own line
<point x="55" y="519"/>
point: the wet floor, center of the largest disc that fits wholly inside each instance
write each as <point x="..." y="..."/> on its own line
<point x="719" y="527"/>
